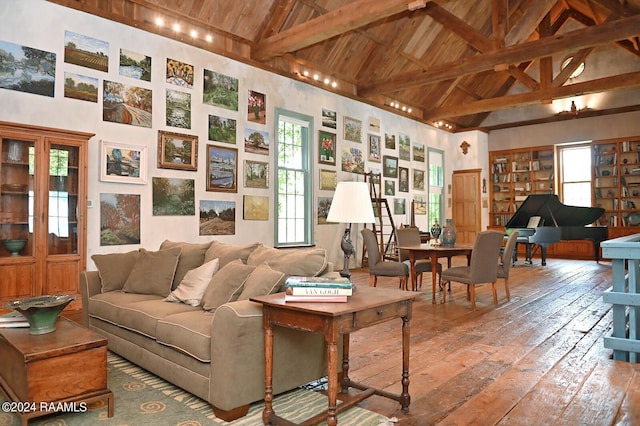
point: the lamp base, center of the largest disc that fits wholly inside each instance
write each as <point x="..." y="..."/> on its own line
<point x="348" y="250"/>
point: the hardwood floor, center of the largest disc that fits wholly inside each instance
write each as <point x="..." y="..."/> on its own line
<point x="537" y="359"/>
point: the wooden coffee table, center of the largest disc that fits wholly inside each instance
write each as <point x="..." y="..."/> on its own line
<point x="59" y="371"/>
<point x="367" y="307"/>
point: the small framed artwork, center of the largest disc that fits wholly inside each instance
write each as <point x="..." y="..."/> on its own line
<point x="404" y="147"/>
<point x="389" y="187"/>
<point x="399" y="206"/>
<point x="256" y="174"/>
<point x="222" y="169"/>
<point x="403" y="181"/>
<point x="420" y="204"/>
<point x="390" y="166"/>
<point x="374" y="148"/>
<point x="389" y="141"/>
<point x="120" y="219"/>
<point x="255" y="207"/>
<point x="374" y="124"/>
<point x="352" y="160"/>
<point x="177" y="151"/>
<point x="328" y="180"/>
<point x="173" y="197"/>
<point x="256" y="107"/>
<point x="352" y="129"/>
<point x="324" y="204"/>
<point x="329" y="118"/>
<point x="327" y="148"/>
<point x="123" y="163"/>
<point x="418" y="179"/>
<point x="418" y="152"/>
<point x="217" y="217"/>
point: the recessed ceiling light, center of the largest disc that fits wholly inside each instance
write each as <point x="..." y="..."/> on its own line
<point x="176" y="27"/>
<point x="209" y="38"/>
<point x="159" y="22"/>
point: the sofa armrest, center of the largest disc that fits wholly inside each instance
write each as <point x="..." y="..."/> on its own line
<point x="237" y="356"/>
<point x="90" y="285"/>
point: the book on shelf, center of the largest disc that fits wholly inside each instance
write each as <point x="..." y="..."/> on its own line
<point x="315" y="299"/>
<point x="318" y="291"/>
<point x="318" y="282"/>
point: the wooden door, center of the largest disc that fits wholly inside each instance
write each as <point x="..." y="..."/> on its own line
<point x="466" y="204"/>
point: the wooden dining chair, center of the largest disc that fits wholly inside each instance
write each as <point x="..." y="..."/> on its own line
<point x="409" y="237"/>
<point x="483" y="266"/>
<point x="378" y="266"/>
<point x="507" y="261"/>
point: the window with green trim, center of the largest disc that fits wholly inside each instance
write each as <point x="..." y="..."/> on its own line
<point x="294" y="189"/>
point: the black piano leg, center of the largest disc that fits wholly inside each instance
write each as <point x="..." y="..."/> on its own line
<point x="543" y="254"/>
<point x="529" y="255"/>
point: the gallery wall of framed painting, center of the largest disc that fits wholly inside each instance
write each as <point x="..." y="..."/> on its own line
<point x="151" y="101"/>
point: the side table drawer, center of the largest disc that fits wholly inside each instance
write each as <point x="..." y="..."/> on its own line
<point x="380" y="314"/>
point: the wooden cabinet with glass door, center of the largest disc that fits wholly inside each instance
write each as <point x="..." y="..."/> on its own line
<point x="42" y="210"/>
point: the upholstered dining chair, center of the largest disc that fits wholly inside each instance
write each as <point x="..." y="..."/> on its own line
<point x="408" y="237"/>
<point x="507" y="261"/>
<point x="483" y="266"/>
<point x="378" y="266"/>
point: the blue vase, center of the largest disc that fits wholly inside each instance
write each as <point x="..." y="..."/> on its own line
<point x="449" y="234"/>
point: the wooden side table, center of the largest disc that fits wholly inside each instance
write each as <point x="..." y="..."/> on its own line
<point x="41" y="373"/>
<point x="367" y="307"/>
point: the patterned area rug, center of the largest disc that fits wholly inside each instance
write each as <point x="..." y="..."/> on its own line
<point x="143" y="398"/>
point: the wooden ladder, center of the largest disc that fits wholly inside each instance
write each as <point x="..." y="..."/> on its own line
<point x="383" y="227"/>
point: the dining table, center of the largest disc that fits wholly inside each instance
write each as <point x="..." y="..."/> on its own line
<point x="433" y="251"/>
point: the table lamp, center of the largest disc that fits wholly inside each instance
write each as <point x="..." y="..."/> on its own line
<point x="351" y="204"/>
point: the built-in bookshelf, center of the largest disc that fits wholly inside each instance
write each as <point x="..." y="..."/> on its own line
<point x="616" y="181"/>
<point x="515" y="174"/>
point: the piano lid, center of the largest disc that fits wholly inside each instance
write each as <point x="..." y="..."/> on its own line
<point x="553" y="212"/>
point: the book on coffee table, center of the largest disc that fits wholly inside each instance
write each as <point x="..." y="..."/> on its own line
<point x="13" y="320"/>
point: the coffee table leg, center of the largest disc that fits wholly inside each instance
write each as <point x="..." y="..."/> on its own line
<point x="345" y="363"/>
<point x="268" y="372"/>
<point x="332" y="349"/>
<point x="405" y="398"/>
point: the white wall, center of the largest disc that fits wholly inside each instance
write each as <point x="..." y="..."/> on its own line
<point x="41" y="25"/>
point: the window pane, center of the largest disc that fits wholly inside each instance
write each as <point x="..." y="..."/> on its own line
<point x="577" y="194"/>
<point x="576" y="164"/>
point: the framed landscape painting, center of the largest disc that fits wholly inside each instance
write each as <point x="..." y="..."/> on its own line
<point x="222" y="169"/>
<point x="180" y="74"/>
<point x="177" y="151"/>
<point x="220" y="90"/>
<point x="255" y="207"/>
<point x="173" y="197"/>
<point x="352" y="129"/>
<point x="119" y="219"/>
<point x="328" y="180"/>
<point x="256" y="174"/>
<point x="123" y="163"/>
<point x="86" y="51"/>
<point x="329" y="118"/>
<point x="217" y="217"/>
<point x="390" y="166"/>
<point x="26" y="69"/>
<point x="222" y="129"/>
<point x="256" y="141"/>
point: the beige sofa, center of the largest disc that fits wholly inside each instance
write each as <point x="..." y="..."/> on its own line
<point x="214" y="349"/>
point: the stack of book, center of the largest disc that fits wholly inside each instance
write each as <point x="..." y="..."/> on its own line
<point x="13" y="320"/>
<point x="317" y="289"/>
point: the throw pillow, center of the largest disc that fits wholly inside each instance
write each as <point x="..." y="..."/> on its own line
<point x="229" y="252"/>
<point x="153" y="272"/>
<point x="302" y="262"/>
<point x="114" y="268"/>
<point x="226" y="285"/>
<point x="192" y="257"/>
<point x="194" y="283"/>
<point x="262" y="281"/>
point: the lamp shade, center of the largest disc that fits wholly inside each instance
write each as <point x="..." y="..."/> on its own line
<point x="351" y="204"/>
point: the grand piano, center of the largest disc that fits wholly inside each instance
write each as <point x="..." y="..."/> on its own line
<point x="557" y="222"/>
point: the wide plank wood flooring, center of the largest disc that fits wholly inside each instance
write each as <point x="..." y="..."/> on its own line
<point x="538" y="359"/>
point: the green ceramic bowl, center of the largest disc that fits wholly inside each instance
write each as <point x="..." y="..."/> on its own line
<point x="41" y="312"/>
<point x="14" y="246"/>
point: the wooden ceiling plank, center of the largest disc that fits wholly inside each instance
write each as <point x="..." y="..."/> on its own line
<point x="529" y="21"/>
<point x="457" y="26"/>
<point x="622" y="81"/>
<point x="335" y="22"/>
<point x="573" y="40"/>
<point x="277" y="17"/>
<point x="546" y="63"/>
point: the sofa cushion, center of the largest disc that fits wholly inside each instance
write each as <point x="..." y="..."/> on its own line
<point x="263" y="280"/>
<point x="153" y="272"/>
<point x="192" y="257"/>
<point x="193" y="285"/>
<point x="142" y="317"/>
<point x="189" y="332"/>
<point x="106" y="306"/>
<point x="229" y="252"/>
<point x="114" y="268"/>
<point x="302" y="262"/>
<point x="226" y="285"/>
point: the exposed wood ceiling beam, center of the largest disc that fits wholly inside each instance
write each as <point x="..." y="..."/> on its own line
<point x="335" y="22"/>
<point x="529" y="21"/>
<point x="574" y="40"/>
<point x="608" y="83"/>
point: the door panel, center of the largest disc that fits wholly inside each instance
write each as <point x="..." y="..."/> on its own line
<point x="466" y="202"/>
